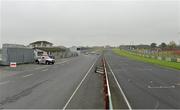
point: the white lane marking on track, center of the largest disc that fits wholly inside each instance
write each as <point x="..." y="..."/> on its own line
<point x="177" y="84"/>
<point x="45" y="70"/>
<point x="64" y="61"/>
<point x="55" y="63"/>
<point x="5" y="82"/>
<point x="54" y="67"/>
<point x="79" y="85"/>
<point x="157" y="105"/>
<point x="27" y="75"/>
<point x="39" y="68"/>
<point x="124" y="96"/>
<point x="161" y="87"/>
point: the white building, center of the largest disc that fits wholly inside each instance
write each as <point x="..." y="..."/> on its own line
<point x="40" y="44"/>
<point x="75" y="49"/>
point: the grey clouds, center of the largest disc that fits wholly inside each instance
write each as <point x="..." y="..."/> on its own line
<point x="89" y="23"/>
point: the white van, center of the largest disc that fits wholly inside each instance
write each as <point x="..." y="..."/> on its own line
<point x="45" y="60"/>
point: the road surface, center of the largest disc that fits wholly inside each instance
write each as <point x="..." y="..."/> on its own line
<point x="70" y="84"/>
<point x="73" y="84"/>
<point x="145" y="86"/>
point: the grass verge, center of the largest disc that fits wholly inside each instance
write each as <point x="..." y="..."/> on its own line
<point x="124" y="53"/>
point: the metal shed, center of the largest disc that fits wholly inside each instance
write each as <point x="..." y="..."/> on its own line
<point x="16" y="53"/>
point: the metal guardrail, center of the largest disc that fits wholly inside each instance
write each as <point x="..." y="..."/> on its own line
<point x="107" y="93"/>
<point x="119" y="86"/>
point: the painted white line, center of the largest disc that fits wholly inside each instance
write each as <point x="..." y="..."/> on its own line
<point x="161" y="87"/>
<point x="5" y="82"/>
<point x="53" y="67"/>
<point x="79" y="85"/>
<point x="124" y="96"/>
<point x="64" y="61"/>
<point x="39" y="68"/>
<point x="27" y="75"/>
<point x="177" y="84"/>
<point x="157" y="105"/>
<point x="45" y="70"/>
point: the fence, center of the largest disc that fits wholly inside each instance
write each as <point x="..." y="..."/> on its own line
<point x="170" y="59"/>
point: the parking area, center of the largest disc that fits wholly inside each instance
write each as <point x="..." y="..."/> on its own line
<point x="39" y="86"/>
<point x="6" y="71"/>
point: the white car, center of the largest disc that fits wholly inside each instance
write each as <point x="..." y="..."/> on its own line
<point x="45" y="60"/>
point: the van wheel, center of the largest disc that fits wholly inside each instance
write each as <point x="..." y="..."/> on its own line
<point x="47" y="62"/>
<point x="37" y="61"/>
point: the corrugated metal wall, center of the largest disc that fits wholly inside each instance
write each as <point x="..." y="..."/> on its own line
<point x="18" y="55"/>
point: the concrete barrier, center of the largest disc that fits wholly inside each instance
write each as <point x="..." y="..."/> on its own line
<point x="178" y="60"/>
<point x="167" y="59"/>
<point x="174" y="59"/>
<point x="163" y="58"/>
<point x="131" y="53"/>
<point x="159" y="58"/>
<point x="153" y="57"/>
<point x="147" y="56"/>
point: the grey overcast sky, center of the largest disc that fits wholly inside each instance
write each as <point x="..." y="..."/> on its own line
<point x="90" y="22"/>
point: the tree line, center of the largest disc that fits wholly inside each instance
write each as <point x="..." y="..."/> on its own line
<point x="164" y="46"/>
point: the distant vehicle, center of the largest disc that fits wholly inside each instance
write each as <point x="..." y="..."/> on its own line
<point x="45" y="60"/>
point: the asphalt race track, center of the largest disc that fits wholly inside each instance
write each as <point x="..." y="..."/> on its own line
<point x="146" y="86"/>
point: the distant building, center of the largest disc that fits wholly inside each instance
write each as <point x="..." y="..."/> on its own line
<point x="40" y="44"/>
<point x="75" y="49"/>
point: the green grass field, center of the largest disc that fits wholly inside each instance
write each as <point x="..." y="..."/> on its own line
<point x="124" y="53"/>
